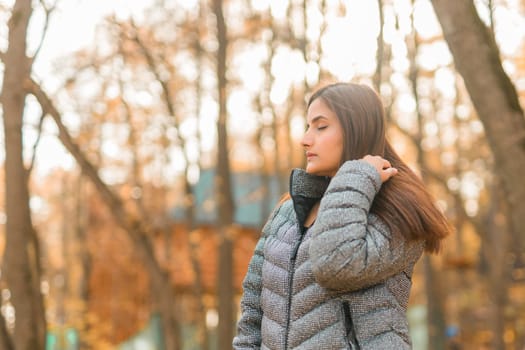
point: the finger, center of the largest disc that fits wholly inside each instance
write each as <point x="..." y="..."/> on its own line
<point x="388" y="173"/>
<point x="391" y="172"/>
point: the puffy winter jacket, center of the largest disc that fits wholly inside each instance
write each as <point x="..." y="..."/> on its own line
<point x="344" y="283"/>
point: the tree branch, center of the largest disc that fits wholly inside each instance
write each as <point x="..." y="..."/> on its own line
<point x="477" y="59"/>
<point x="35" y="145"/>
<point x="48" y="11"/>
<point x="137" y="228"/>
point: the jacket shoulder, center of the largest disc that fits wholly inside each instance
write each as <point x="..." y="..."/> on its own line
<point x="281" y="214"/>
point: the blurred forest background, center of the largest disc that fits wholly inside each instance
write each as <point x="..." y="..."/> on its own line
<point x="138" y="170"/>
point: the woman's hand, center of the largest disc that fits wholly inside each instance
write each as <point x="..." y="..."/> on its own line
<point x="383" y="166"/>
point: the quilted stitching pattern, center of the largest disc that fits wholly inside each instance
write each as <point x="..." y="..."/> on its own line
<point x="348" y="255"/>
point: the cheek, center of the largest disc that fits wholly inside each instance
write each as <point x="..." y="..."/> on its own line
<point x="338" y="146"/>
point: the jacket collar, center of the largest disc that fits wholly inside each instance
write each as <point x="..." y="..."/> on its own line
<point x="306" y="190"/>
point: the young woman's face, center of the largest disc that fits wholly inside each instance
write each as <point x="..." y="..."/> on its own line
<point x="323" y="140"/>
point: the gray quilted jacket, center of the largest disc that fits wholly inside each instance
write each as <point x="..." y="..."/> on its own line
<point x="344" y="283"/>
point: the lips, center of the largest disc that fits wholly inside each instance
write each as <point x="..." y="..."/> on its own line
<point x="310" y="155"/>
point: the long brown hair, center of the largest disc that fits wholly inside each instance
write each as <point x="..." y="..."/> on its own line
<point x="403" y="203"/>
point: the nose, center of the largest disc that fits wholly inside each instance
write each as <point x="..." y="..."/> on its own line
<point x="306" y="141"/>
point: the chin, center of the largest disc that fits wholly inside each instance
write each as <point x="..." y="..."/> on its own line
<point x="315" y="172"/>
<point x="321" y="172"/>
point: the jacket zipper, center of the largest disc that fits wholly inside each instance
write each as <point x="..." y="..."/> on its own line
<point x="290" y="284"/>
<point x="349" y="326"/>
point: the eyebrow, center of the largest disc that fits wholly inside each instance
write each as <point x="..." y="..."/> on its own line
<point x="317" y="118"/>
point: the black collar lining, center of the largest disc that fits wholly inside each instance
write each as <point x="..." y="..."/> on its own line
<point x="306" y="190"/>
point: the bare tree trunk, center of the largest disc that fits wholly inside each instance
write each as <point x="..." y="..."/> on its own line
<point x="137" y="229"/>
<point x="159" y="283"/>
<point x="202" y="330"/>
<point x="265" y="101"/>
<point x="261" y="101"/>
<point x="435" y="302"/>
<point x="494" y="247"/>
<point x="224" y="196"/>
<point x="202" y="336"/>
<point x="435" y="316"/>
<point x="378" y="76"/>
<point x="5" y="338"/>
<point x="22" y="258"/>
<point x="476" y="57"/>
<point x="164" y="304"/>
<point x="81" y="251"/>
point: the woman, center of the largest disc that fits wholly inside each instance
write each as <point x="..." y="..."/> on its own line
<point x="333" y="267"/>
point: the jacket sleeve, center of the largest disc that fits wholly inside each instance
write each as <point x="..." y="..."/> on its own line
<point x="352" y="249"/>
<point x="249" y="325"/>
